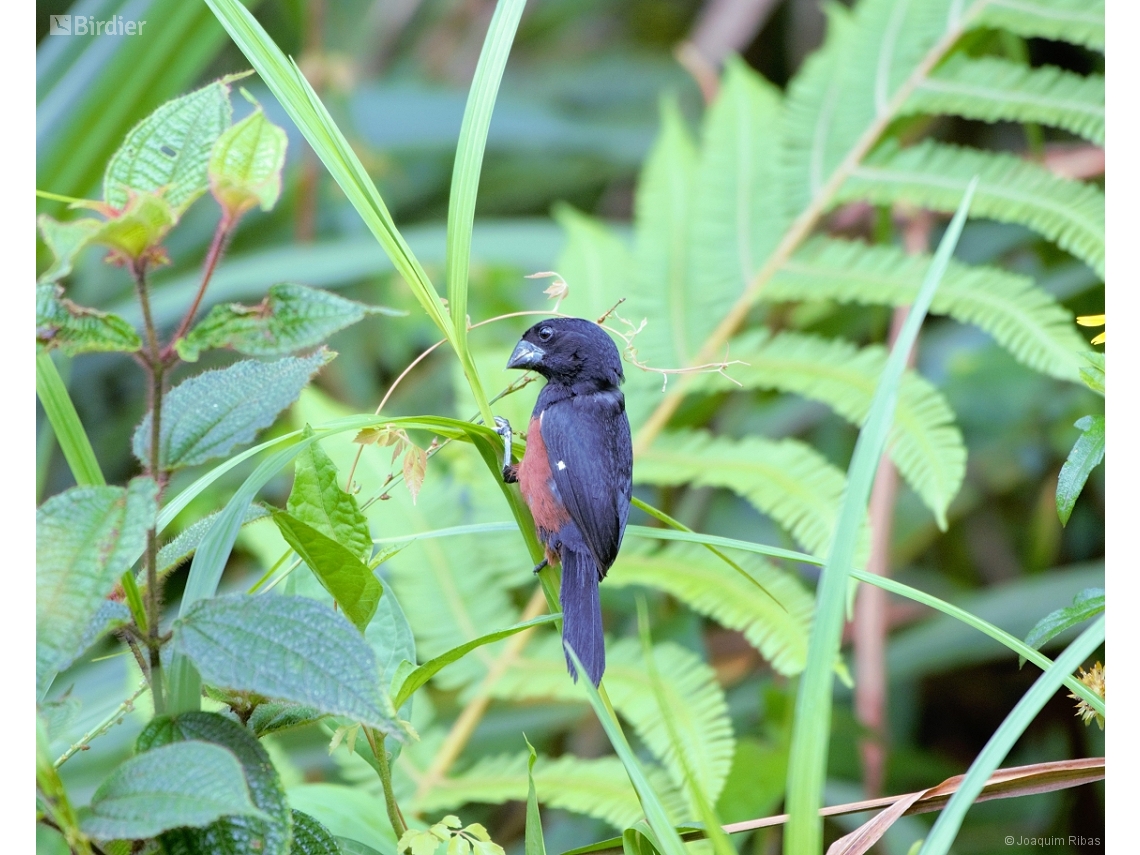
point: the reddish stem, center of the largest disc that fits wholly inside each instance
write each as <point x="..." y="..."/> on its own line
<point x="217" y="246"/>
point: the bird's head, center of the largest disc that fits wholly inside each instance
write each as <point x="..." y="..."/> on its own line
<point x="571" y="351"/>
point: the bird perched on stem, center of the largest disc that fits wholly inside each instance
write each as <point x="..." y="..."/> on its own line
<point x="576" y="475"/>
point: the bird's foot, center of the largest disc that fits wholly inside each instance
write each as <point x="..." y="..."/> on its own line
<point x="543" y="563"/>
<point x="503" y="429"/>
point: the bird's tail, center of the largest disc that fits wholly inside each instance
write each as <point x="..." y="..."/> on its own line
<point x="582" y="614"/>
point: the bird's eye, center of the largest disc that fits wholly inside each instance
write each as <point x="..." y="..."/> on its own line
<point x="546" y="334"/>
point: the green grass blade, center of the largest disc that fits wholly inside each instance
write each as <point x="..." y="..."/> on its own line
<point x="807" y="765"/>
<point x="668" y="842"/>
<point x="64" y="419"/>
<point x="1003" y="739"/>
<point x="304" y="107"/>
<point x="465" y="178"/>
<point x="535" y="842"/>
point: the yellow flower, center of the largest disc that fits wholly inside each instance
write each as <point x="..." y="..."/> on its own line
<point x="1093" y="321"/>
<point x="1094" y="679"/>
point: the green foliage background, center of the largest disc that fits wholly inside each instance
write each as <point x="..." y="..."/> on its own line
<point x="603" y="163"/>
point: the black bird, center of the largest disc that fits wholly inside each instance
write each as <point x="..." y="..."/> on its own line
<point x="576" y="475"/>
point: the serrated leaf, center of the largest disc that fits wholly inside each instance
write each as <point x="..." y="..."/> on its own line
<point x="459" y="845"/>
<point x="788" y="480"/>
<point x="351" y="582"/>
<point x="269" y="834"/>
<point x="993" y="89"/>
<point x="486" y="847"/>
<point x="420" y="843"/>
<point x="167" y="152"/>
<point x="348" y="812"/>
<point x="141" y="226"/>
<point x="778" y="628"/>
<point x="86" y="537"/>
<point x="312" y="838"/>
<point x="186" y="543"/>
<point x="185" y="784"/>
<point x="1086" y="454"/>
<point x="273" y="716"/>
<point x="318" y="501"/>
<point x="209" y="415"/>
<point x="112" y="614"/>
<point x="926" y="444"/>
<point x="698" y="703"/>
<point x="292" y="317"/>
<point x="290" y="648"/>
<point x="1023" y="318"/>
<point x="65" y="240"/>
<point x="74" y="329"/>
<point x="477" y="831"/>
<point x="1087" y="604"/>
<point x="245" y="165"/>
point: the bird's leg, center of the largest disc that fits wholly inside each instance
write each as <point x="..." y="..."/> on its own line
<point x="543" y="563"/>
<point x="510" y="470"/>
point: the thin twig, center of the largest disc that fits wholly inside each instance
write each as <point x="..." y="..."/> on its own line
<point x="106" y="724"/>
<point x="221" y="238"/>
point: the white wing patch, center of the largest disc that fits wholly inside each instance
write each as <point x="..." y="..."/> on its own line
<point x="561" y="465"/>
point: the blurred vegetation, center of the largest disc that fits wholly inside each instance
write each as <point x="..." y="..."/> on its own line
<point x="588" y="88"/>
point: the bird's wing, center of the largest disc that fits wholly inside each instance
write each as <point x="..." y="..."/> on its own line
<point x="591" y="460"/>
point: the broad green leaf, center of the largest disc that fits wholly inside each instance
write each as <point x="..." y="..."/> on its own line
<point x="318" y="501"/>
<point x="312" y="838"/>
<point x="1087" y="604"/>
<point x="392" y="641"/>
<point x="777" y="628"/>
<point x="535" y="843"/>
<point x="65" y="240"/>
<point x="209" y="415"/>
<point x="50" y="842"/>
<point x="184" y="784"/>
<point x="594" y="787"/>
<point x="290" y="648"/>
<point x="245" y="165"/>
<point x="111" y="615"/>
<point x="697" y="701"/>
<point x="167" y="152"/>
<point x="74" y="329"/>
<point x="274" y="715"/>
<point x="231" y="835"/>
<point x="429" y="669"/>
<point x="347" y="811"/>
<point x="994" y="89"/>
<point x="86" y="538"/>
<point x="139" y="227"/>
<point x="351" y="582"/>
<point x="1086" y="454"/>
<point x="291" y="318"/>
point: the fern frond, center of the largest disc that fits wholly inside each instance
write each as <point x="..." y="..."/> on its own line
<point x="661" y="292"/>
<point x="1021" y="317"/>
<point x="787" y="480"/>
<point x="993" y="89"/>
<point x="736" y="216"/>
<point x="696" y="702"/>
<point x="596" y="263"/>
<point x="597" y="787"/>
<point x="1075" y="21"/>
<point x="934" y="175"/>
<point x="707" y="585"/>
<point x="925" y="443"/>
